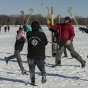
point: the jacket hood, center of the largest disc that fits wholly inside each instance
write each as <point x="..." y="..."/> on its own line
<point x="35" y="26"/>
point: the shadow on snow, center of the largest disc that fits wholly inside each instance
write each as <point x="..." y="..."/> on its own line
<point x="12" y="80"/>
<point x="63" y="76"/>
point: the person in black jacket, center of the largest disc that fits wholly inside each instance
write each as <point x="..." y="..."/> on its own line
<point x="20" y="40"/>
<point x="83" y="29"/>
<point x="36" y="51"/>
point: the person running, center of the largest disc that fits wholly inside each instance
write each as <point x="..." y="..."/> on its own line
<point x="36" y="51"/>
<point x="20" y="40"/>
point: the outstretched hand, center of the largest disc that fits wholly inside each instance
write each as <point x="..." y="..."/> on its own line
<point x="47" y="20"/>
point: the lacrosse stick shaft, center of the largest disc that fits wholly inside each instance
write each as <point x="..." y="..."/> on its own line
<point x="73" y="17"/>
<point x="29" y="16"/>
<point x="43" y="9"/>
<point x="52" y="43"/>
<point x="23" y="16"/>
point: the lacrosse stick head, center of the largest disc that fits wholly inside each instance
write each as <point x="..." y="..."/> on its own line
<point x="47" y="8"/>
<point x="22" y="12"/>
<point x="31" y="10"/>
<point x="69" y="8"/>
<point x="41" y="5"/>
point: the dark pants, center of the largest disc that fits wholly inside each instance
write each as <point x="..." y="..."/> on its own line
<point x="71" y="49"/>
<point x="17" y="55"/>
<point x="65" y="52"/>
<point x="32" y="63"/>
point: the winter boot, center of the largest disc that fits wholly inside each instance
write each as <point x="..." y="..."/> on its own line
<point x="65" y="56"/>
<point x="24" y="72"/>
<point x="43" y="77"/>
<point x="56" y="65"/>
<point x="33" y="81"/>
<point x="6" y="59"/>
<point x="83" y="63"/>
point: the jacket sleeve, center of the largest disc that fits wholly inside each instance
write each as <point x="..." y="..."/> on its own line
<point x="54" y="27"/>
<point x="28" y="27"/>
<point x="41" y="30"/>
<point x="72" y="33"/>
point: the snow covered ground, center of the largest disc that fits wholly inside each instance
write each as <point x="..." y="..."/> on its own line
<point x="69" y="75"/>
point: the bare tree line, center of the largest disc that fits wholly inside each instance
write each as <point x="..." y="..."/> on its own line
<point x="19" y="20"/>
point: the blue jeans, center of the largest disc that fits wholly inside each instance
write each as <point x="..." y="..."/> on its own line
<point x="32" y="63"/>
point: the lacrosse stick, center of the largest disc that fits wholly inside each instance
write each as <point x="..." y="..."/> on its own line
<point x="59" y="19"/>
<point x="31" y="11"/>
<point x="43" y="9"/>
<point x="45" y="17"/>
<point x="69" y="10"/>
<point x="52" y="43"/>
<point x="19" y="34"/>
<point x="48" y="13"/>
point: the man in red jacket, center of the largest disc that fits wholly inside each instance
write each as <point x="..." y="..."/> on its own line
<point x="65" y="37"/>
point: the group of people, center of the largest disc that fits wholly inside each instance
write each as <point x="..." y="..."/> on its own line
<point x="6" y="28"/>
<point x="37" y="41"/>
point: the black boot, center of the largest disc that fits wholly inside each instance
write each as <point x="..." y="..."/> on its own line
<point x="33" y="81"/>
<point x="57" y="63"/>
<point x="83" y="63"/>
<point x="65" y="56"/>
<point x="24" y="72"/>
<point x="43" y="77"/>
<point x="6" y="59"/>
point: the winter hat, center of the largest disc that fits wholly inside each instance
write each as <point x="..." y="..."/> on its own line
<point x="35" y="26"/>
<point x="67" y="18"/>
<point x="18" y="31"/>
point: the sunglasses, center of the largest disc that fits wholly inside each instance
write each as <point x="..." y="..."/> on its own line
<point x="65" y="19"/>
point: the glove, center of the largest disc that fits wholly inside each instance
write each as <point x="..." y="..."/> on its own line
<point x="68" y="42"/>
<point x="82" y="28"/>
